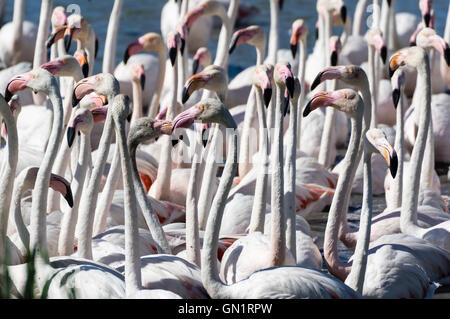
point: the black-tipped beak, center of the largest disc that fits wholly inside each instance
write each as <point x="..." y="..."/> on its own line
<point x="205" y="137"/>
<point x="195" y="65"/>
<point x="85" y="70"/>
<point x="129" y="117"/>
<point x="232" y="44"/>
<point x="344" y="14"/>
<point x="173" y="55"/>
<point x="395" y="97"/>
<point x="8" y="95"/>
<point x="69" y="197"/>
<point x="280" y="4"/>
<point x="427" y="19"/>
<point x="50" y="40"/>
<point x="391" y="72"/>
<point x="316" y="81"/>
<point x="96" y="47"/>
<point x="307" y="109"/>
<point x="67" y="41"/>
<point x="75" y="101"/>
<point x="185" y="96"/>
<point x="267" y="97"/>
<point x="317" y="33"/>
<point x="142" y="81"/>
<point x="183" y="44"/>
<point x="447" y="56"/>
<point x="174" y="142"/>
<point x="412" y="44"/>
<point x="389" y="2"/>
<point x="126" y="56"/>
<point x="290" y="85"/>
<point x="294" y="49"/>
<point x="334" y="58"/>
<point x="383" y="54"/>
<point x="393" y="164"/>
<point x="70" y="135"/>
<point x="285" y="106"/>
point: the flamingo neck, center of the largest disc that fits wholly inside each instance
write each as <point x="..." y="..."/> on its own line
<point x="338" y="205"/>
<point x="301" y="77"/>
<point x="137" y="102"/>
<point x="399" y="145"/>
<point x="209" y="271"/>
<point x="273" y="33"/>
<point x="154" y="106"/>
<point x="358" y="19"/>
<point x="17" y="22"/>
<point x="408" y="216"/>
<point x="259" y="202"/>
<point x="111" y="38"/>
<point x="373" y="87"/>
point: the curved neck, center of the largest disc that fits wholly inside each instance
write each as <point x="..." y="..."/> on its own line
<point x="408" y="216"/>
<point x="338" y="205"/>
<point x="70" y="217"/>
<point x="209" y="271"/>
<point x="278" y="222"/>
<point x="273" y="34"/>
<point x="222" y="45"/>
<point x="111" y="38"/>
<point x="358" y="19"/>
<point x="8" y="174"/>
<point x="260" y="53"/>
<point x="38" y="225"/>
<point x="355" y="278"/>
<point x="146" y="207"/>
<point x="154" y="106"/>
<point x="89" y="198"/>
<point x="137" y="102"/>
<point x="259" y="201"/>
<point x="133" y="282"/>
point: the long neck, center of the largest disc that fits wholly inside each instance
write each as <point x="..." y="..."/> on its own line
<point x="192" y="230"/>
<point x="17" y="22"/>
<point x="154" y="106"/>
<point x="358" y="19"/>
<point x="408" y="216"/>
<point x="8" y="174"/>
<point x="273" y="33"/>
<point x="399" y="146"/>
<point x="384" y="19"/>
<point x="445" y="69"/>
<point x="289" y="182"/>
<point x="301" y="77"/>
<point x="393" y="37"/>
<point x="111" y="38"/>
<point x="40" y="51"/>
<point x="245" y="153"/>
<point x="70" y="217"/>
<point x="21" y="185"/>
<point x="38" y="224"/>
<point x="355" y="278"/>
<point x="133" y="282"/>
<point x="338" y="205"/>
<point x="146" y="207"/>
<point x="209" y="271"/>
<point x="107" y="194"/>
<point x="373" y="86"/>
<point x="278" y="223"/>
<point x="222" y="46"/>
<point x="89" y="198"/>
<point x="259" y="201"/>
<point x="137" y="102"/>
<point x="161" y="186"/>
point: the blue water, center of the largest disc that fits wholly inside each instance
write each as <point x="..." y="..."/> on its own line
<point x="142" y="16"/>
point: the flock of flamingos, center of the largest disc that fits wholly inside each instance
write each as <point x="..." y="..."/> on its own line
<point x="160" y="178"/>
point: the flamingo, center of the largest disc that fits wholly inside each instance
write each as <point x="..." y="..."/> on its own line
<point x="259" y="284"/>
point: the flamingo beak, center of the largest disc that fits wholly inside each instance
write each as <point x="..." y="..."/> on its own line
<point x="192" y="84"/>
<point x="132" y="48"/>
<point x="55" y="36"/>
<point x="186" y="119"/>
<point x="427" y="19"/>
<point x="195" y="66"/>
<point x="82" y="88"/>
<point x="390" y="155"/>
<point x="396" y="61"/>
<point x="343" y="13"/>
<point x="68" y="38"/>
<point x="280" y="4"/>
<point x="163" y="126"/>
<point x="395" y="97"/>
<point x="321" y="99"/>
<point x="330" y="73"/>
<point x="82" y="61"/>
<point x="17" y="84"/>
<point x="233" y="43"/>
<point x="61" y="185"/>
<point x="99" y="114"/>
<point x="70" y="135"/>
<point x="442" y="47"/>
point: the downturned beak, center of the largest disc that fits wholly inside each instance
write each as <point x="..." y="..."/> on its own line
<point x="131" y="49"/>
<point x="427" y="19"/>
<point x="85" y="69"/>
<point x="280" y="4"/>
<point x="343" y="13"/>
<point x="142" y="81"/>
<point x="317" y="33"/>
<point x="383" y="54"/>
<point x="233" y="43"/>
<point x="395" y="97"/>
<point x="393" y="164"/>
<point x="69" y="197"/>
<point x="96" y="47"/>
<point x="195" y="66"/>
<point x="16" y="84"/>
<point x="285" y="106"/>
<point x="58" y="34"/>
<point x="317" y="81"/>
<point x="70" y="135"/>
<point x="267" y="93"/>
<point x="321" y="99"/>
<point x="60" y="185"/>
<point x="68" y="38"/>
<point x="307" y="109"/>
<point x="334" y="58"/>
<point x="447" y="56"/>
<point x="183" y="44"/>
<point x="294" y="48"/>
<point x="186" y="119"/>
<point x="173" y="55"/>
<point x="185" y="96"/>
<point x="290" y="85"/>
